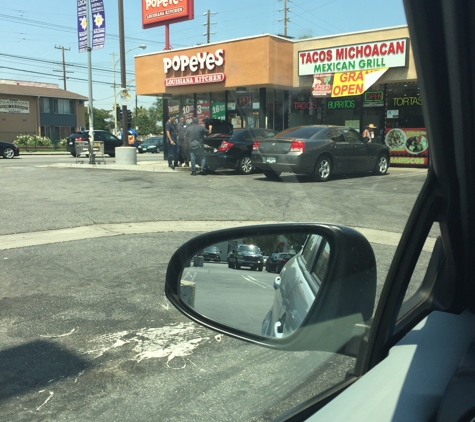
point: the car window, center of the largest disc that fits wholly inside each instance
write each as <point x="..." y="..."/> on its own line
<point x="352" y="136"/>
<point x="300" y="132"/>
<point x="109" y="137"/>
<point x="336" y="135"/>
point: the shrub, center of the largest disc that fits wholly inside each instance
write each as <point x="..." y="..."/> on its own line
<point x="33" y="141"/>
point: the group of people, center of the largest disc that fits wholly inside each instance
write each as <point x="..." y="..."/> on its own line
<point x="186" y="143"/>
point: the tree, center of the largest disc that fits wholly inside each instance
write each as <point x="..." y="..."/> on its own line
<point x="101" y="119"/>
<point x="143" y="120"/>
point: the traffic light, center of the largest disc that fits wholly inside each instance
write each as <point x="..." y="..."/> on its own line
<point x="118" y="113"/>
<point x="129" y="119"/>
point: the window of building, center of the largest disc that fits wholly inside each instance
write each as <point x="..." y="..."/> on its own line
<point x="45" y="105"/>
<point x="61" y="106"/>
<point x="404" y="106"/>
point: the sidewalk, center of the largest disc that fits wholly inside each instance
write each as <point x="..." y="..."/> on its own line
<point x="159" y="165"/>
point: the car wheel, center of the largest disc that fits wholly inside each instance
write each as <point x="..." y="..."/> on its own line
<point x="261" y="268"/>
<point x="271" y="174"/>
<point x="382" y="164"/>
<point x="322" y="170"/>
<point x="245" y="165"/>
<point x="237" y="266"/>
<point x="112" y="155"/>
<point x="140" y="152"/>
<point x="8" y="153"/>
<point x="74" y="154"/>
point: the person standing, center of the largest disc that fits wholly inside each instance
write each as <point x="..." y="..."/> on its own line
<point x="194" y="136"/>
<point x="171" y="132"/>
<point x="368" y="133"/>
<point x="183" y="150"/>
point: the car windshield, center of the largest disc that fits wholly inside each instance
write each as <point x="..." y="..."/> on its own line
<point x="249" y="248"/>
<point x="87" y="331"/>
<point x="300" y="132"/>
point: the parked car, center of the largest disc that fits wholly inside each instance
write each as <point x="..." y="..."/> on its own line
<point x="212" y="253"/>
<point x="153" y="145"/>
<point x="320" y="151"/>
<point x="110" y="141"/>
<point x="276" y="261"/>
<point x="246" y="256"/>
<point x="8" y="150"/>
<point x="297" y="287"/>
<point x="233" y="151"/>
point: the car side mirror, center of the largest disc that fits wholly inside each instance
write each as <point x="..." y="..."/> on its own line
<point x="322" y="297"/>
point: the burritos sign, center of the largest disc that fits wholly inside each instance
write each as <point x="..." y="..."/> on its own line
<point x="164" y="12"/>
<point x="369" y="56"/>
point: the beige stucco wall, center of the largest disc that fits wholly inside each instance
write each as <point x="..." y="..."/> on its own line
<point x="19" y="123"/>
<point x="263" y="61"/>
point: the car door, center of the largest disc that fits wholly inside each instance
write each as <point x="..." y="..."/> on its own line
<point x="342" y="151"/>
<point x="362" y="154"/>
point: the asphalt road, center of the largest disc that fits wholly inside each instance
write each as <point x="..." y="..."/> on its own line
<point x="85" y="329"/>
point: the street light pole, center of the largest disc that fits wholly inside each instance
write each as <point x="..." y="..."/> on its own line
<point x="123" y="82"/>
<point x="114" y="64"/>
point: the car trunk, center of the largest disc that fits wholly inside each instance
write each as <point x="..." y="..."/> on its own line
<point x="275" y="146"/>
<point x="222" y="131"/>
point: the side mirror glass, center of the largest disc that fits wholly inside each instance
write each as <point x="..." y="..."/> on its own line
<point x="313" y="281"/>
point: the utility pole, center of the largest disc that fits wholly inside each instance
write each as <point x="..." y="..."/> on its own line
<point x="286" y="19"/>
<point x="208" y="25"/>
<point x="60" y="47"/>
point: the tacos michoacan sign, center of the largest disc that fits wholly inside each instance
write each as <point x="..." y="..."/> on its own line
<point x="163" y="12"/>
<point x="375" y="55"/>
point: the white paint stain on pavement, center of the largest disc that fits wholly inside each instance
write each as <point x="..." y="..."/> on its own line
<point x="179" y="340"/>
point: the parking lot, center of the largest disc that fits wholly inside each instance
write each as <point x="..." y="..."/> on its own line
<point x="86" y="330"/>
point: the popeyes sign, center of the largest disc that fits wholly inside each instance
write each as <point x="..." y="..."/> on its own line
<point x="163" y="12"/>
<point x="199" y="65"/>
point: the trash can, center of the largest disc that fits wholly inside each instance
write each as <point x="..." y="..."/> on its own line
<point x="198" y="261"/>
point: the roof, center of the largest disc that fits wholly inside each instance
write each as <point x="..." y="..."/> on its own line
<point x="39" y="91"/>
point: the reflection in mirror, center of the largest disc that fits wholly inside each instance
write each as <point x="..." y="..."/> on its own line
<point x="264" y="285"/>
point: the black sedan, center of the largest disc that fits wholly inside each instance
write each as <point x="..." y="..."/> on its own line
<point x="8" y="150"/>
<point x="277" y="261"/>
<point x="153" y="145"/>
<point x="212" y="253"/>
<point x="233" y="151"/>
<point x="110" y="141"/>
<point x="319" y="151"/>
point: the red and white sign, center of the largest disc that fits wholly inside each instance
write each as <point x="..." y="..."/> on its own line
<point x="375" y="55"/>
<point x="163" y="12"/>
<point x="200" y="61"/>
<point x="195" y="80"/>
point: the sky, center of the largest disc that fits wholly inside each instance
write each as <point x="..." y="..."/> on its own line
<point x="33" y="32"/>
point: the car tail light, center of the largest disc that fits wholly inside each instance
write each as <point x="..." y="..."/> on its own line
<point x="282" y="260"/>
<point x="297" y="146"/>
<point x="256" y="145"/>
<point x="225" y="146"/>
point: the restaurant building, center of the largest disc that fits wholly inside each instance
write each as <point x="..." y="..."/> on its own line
<point x="268" y="81"/>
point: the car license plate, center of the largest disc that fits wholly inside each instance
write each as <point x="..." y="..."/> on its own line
<point x="270" y="160"/>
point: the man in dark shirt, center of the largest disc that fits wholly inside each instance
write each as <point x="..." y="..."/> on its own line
<point x="172" y="137"/>
<point x="183" y="149"/>
<point x="194" y="136"/>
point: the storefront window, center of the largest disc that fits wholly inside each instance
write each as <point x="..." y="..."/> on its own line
<point x="174" y="106"/>
<point x="305" y="109"/>
<point x="404" y="107"/>
<point x="203" y="106"/>
<point x="187" y="107"/>
<point x="218" y="105"/>
<point x="343" y="111"/>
